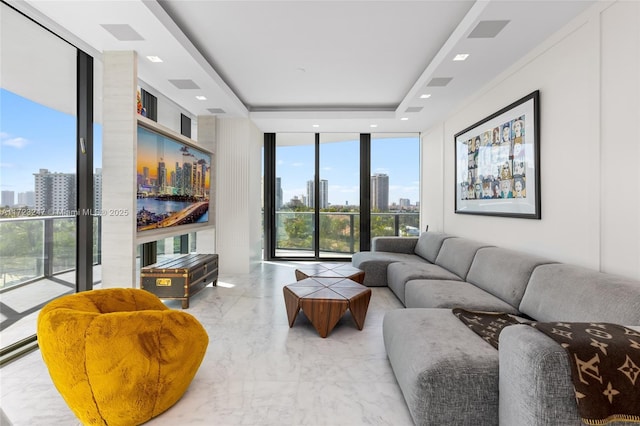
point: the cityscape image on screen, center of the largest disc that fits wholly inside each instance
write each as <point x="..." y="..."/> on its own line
<point x="173" y="181"/>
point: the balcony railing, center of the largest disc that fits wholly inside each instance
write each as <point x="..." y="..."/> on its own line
<point x="37" y="264"/>
<point x="339" y="231"/>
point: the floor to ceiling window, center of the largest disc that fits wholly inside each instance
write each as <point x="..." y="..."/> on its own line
<point x="40" y="126"/>
<point x="315" y="185"/>
<point x="339" y="194"/>
<point x="295" y="217"/>
<point x="395" y="184"/>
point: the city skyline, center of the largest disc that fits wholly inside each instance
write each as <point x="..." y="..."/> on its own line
<point x="398" y="157"/>
<point x="25" y="149"/>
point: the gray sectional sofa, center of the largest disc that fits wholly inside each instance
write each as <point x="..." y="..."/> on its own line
<point x="451" y="376"/>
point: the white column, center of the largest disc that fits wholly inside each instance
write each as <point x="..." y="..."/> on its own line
<point x="237" y="204"/>
<point x="119" y="169"/>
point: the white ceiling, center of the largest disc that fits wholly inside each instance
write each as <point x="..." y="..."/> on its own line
<point x="339" y="65"/>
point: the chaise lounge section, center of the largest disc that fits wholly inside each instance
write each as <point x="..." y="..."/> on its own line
<point x="450" y="375"/>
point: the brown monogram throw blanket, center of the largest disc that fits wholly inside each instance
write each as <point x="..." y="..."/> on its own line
<point x="604" y="360"/>
<point x="487" y="325"/>
<point x="605" y="368"/>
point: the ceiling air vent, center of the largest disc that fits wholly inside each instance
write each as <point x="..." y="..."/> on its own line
<point x="439" y="81"/>
<point x="216" y="110"/>
<point x="413" y="109"/>
<point x="487" y="29"/>
<point x="184" y="84"/>
<point x="122" y="32"/>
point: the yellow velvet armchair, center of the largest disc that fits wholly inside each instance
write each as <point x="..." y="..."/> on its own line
<point x="119" y="356"/>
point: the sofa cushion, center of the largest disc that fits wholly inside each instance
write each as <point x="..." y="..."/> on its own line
<point x="452" y="294"/>
<point x="398" y="274"/>
<point x="447" y="373"/>
<point x="374" y="264"/>
<point x="429" y="244"/>
<point x="503" y="273"/>
<point x="456" y="255"/>
<point x="394" y="244"/>
<point x="560" y="292"/>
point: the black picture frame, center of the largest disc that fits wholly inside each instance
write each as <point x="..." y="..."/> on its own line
<point x="497" y="162"/>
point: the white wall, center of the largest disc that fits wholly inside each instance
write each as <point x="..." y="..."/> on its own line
<point x="588" y="75"/>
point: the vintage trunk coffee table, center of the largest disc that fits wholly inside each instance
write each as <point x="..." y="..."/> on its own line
<point x="325" y="300"/>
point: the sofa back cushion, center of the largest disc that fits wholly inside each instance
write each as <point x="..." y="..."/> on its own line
<point x="560" y="292"/>
<point x="429" y="244"/>
<point x="503" y="273"/>
<point x="456" y="255"/>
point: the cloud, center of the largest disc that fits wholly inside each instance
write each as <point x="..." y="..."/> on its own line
<point x="7" y="165"/>
<point x="18" y="143"/>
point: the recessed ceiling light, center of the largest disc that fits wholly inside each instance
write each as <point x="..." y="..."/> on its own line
<point x="425" y="96"/>
<point x="461" y="57"/>
<point x="404" y="118"/>
<point x="316" y="125"/>
<point x="154" y="58"/>
<point x="201" y="98"/>
<point x="373" y="125"/>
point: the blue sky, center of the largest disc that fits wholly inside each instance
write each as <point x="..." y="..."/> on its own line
<point x="397" y="157"/>
<point x="34" y="137"/>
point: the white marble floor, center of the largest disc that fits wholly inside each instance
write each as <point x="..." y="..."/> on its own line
<point x="257" y="370"/>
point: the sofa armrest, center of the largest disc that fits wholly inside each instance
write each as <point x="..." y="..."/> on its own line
<point x="394" y="244"/>
<point x="535" y="380"/>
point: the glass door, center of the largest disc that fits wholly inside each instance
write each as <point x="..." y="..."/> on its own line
<point x="38" y="173"/>
<point x="339" y="194"/>
<point x="295" y="213"/>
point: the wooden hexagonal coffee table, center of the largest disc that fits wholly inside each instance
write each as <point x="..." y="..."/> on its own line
<point x="325" y="300"/>
<point x="330" y="270"/>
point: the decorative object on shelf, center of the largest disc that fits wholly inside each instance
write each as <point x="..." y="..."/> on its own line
<point x="139" y="103"/>
<point x="119" y="356"/>
<point x="497" y="171"/>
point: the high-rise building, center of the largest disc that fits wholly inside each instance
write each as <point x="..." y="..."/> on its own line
<point x="404" y="203"/>
<point x="8" y="198"/>
<point x="380" y="192"/>
<point x="278" y="193"/>
<point x="324" y="193"/>
<point x="97" y="190"/>
<point x="55" y="192"/>
<point x="27" y="199"/>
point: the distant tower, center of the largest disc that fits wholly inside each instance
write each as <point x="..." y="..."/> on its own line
<point x="311" y="193"/>
<point x="97" y="190"/>
<point x="8" y="198"/>
<point x="324" y="193"/>
<point x="55" y="192"/>
<point x="278" y="193"/>
<point x="380" y="192"/>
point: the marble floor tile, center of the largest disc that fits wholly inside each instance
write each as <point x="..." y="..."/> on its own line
<point x="257" y="370"/>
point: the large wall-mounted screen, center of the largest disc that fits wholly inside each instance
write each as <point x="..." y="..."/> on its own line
<point x="173" y="181"/>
